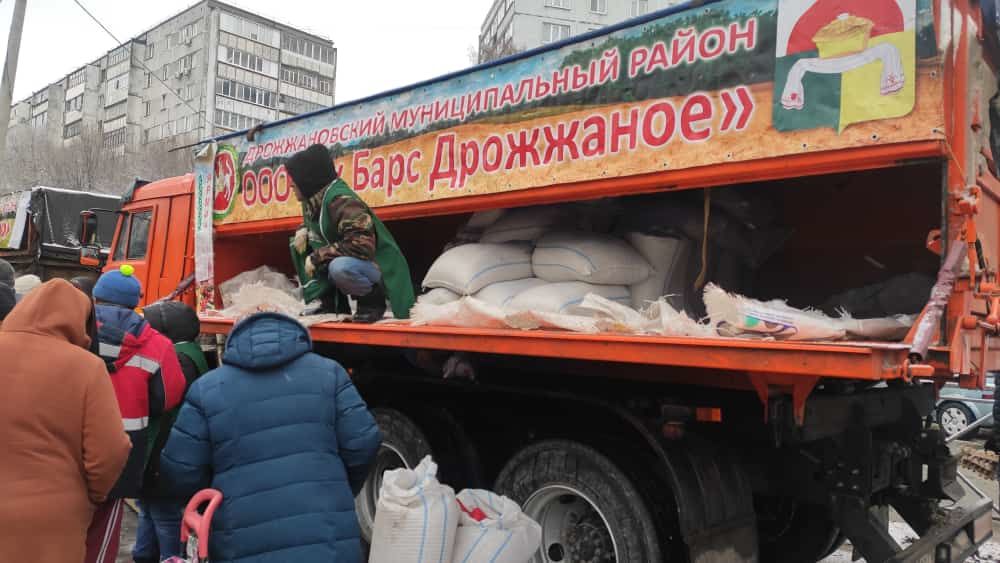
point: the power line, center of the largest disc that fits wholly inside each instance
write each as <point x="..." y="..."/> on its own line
<point x="204" y="118"/>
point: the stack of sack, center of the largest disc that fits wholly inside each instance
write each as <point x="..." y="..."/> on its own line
<point x="420" y="520"/>
<point x="540" y="259"/>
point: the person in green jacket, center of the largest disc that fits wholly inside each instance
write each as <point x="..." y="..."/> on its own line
<point x="342" y="248"/>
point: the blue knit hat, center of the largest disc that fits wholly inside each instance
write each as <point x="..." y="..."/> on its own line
<point x="119" y="287"/>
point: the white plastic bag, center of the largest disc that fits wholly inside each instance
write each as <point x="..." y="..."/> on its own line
<point x="263" y="275"/>
<point x="525" y="224"/>
<point x="565" y="297"/>
<point x="588" y="257"/>
<point x="492" y="529"/>
<point x="668" y="260"/>
<point x="438" y="296"/>
<point x="735" y="315"/>
<point x="468" y="268"/>
<point x="500" y="294"/>
<point x="415" y="519"/>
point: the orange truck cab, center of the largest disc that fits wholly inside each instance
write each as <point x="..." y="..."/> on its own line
<point x="872" y="127"/>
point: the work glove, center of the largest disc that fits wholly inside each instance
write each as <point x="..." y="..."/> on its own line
<point x="310" y="267"/>
<point x="301" y="240"/>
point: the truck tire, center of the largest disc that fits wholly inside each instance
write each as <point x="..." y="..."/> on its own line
<point x="587" y="506"/>
<point x="403" y="445"/>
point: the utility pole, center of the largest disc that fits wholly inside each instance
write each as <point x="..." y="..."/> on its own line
<point x="9" y="70"/>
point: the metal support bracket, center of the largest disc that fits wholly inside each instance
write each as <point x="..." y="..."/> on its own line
<point x="798" y="386"/>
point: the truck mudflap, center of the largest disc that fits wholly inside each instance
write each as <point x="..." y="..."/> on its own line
<point x="948" y="535"/>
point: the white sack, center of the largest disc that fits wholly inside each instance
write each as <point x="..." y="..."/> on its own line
<point x="483" y="219"/>
<point x="267" y="278"/>
<point x="524" y="224"/>
<point x="467" y="312"/>
<point x="888" y="328"/>
<point x="735" y="315"/>
<point x="438" y="296"/>
<point x="415" y="519"/>
<point x="669" y="264"/>
<point x="256" y="297"/>
<point x="468" y="268"/>
<point x="500" y="294"/>
<point x="587" y="257"/>
<point x="565" y="297"/>
<point x="492" y="529"/>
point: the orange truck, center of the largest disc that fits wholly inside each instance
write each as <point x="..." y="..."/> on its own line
<point x="871" y="125"/>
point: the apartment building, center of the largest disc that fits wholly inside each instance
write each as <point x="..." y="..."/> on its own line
<point x="210" y="69"/>
<point x="518" y="25"/>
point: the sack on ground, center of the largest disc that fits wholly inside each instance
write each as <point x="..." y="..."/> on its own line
<point x="586" y="257"/>
<point x="525" y="224"/>
<point x="500" y="294"/>
<point x="468" y="268"/>
<point x="565" y="297"/>
<point x="668" y="258"/>
<point x="492" y="529"/>
<point x="415" y="519"/>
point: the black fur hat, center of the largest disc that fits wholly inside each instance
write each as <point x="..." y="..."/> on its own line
<point x="311" y="169"/>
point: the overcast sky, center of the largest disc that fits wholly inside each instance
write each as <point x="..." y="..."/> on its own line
<point x="382" y="44"/>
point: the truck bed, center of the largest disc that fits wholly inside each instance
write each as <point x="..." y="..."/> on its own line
<point x="870" y="361"/>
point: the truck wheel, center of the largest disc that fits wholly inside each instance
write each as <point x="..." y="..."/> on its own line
<point x="403" y="445"/>
<point x="955" y="417"/>
<point x="588" y="508"/>
<point x="792" y="532"/>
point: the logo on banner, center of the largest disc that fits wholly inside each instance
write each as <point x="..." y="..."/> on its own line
<point x="841" y="62"/>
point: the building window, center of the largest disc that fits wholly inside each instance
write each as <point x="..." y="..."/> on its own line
<point x="309" y="49"/>
<point x="114" y="138"/>
<point x="307" y="79"/>
<point x="599" y="6"/>
<point x="75" y="104"/>
<point x="243" y="59"/>
<point x="150" y="50"/>
<point x="118" y="55"/>
<point x="564" y="4"/>
<point x="234" y="121"/>
<point x="166" y="69"/>
<point x="149" y="79"/>
<point x="552" y="32"/>
<point x="72" y="130"/>
<point x="40" y="120"/>
<point x="638" y="8"/>
<point x="163" y="102"/>
<point x="145" y="109"/>
<point x="76" y="78"/>
<point x="297" y="106"/>
<point x="247" y="93"/>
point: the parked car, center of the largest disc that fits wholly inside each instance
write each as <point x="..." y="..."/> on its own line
<point x="957" y="408"/>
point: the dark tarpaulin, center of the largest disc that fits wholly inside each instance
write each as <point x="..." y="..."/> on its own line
<point x="55" y="213"/>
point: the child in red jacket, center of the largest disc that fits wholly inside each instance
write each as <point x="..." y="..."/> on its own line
<point x="148" y="381"/>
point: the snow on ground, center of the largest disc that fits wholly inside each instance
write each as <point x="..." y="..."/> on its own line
<point x="904" y="535"/>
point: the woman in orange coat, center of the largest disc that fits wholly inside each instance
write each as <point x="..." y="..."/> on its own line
<point x="62" y="443"/>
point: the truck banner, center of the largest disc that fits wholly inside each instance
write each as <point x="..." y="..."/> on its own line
<point x="729" y="81"/>
<point x="13" y="218"/>
<point x="204" y="248"/>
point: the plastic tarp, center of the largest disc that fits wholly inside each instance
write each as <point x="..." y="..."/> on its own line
<point x="55" y="214"/>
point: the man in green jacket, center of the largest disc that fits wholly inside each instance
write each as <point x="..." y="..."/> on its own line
<point x="342" y="248"/>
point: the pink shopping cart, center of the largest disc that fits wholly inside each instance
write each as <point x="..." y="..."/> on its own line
<point x="196" y="526"/>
